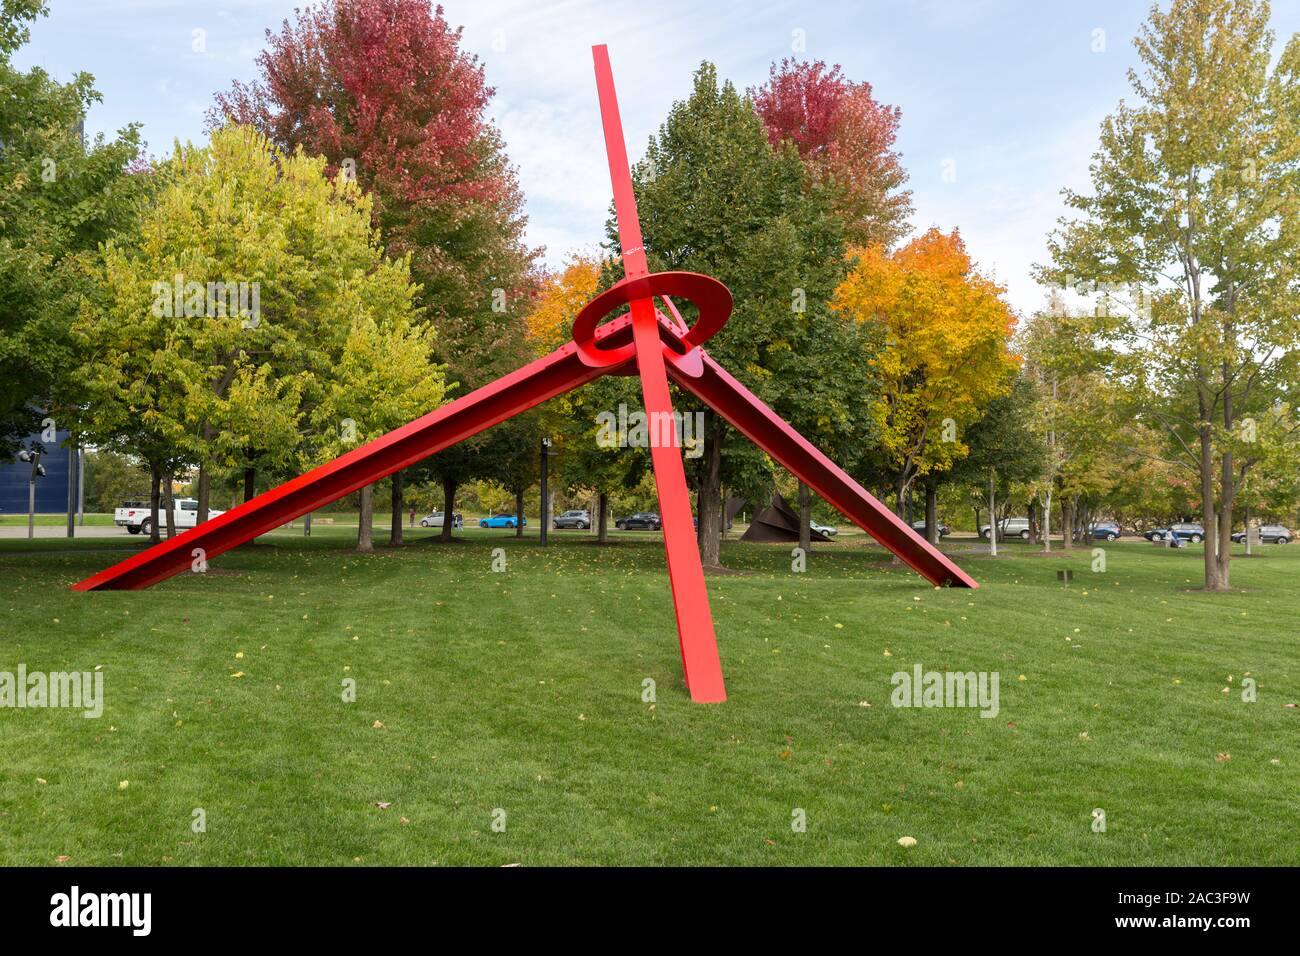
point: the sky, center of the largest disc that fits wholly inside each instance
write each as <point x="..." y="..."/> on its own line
<point x="1001" y="99"/>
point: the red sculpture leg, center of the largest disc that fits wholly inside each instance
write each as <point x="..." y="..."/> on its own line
<point x="721" y="392"/>
<point x="699" y="645"/>
<point x="552" y="375"/>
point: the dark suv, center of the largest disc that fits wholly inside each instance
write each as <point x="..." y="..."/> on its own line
<point x="641" y="521"/>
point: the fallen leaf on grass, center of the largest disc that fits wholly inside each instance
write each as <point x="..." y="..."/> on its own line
<point x="1223" y="757"/>
<point x="907" y="841"/>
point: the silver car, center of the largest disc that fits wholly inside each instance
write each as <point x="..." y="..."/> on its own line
<point x="1009" y="528"/>
<point x="435" y="520"/>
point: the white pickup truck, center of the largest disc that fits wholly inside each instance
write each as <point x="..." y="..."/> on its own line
<point x="134" y="515"/>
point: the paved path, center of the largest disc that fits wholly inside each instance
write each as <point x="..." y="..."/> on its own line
<point x="61" y="531"/>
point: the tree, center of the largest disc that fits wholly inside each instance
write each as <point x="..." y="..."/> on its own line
<point x="1004" y="452"/>
<point x="1196" y="200"/>
<point x="220" y="327"/>
<point x="382" y="89"/>
<point x="716" y="197"/>
<point x="384" y="376"/>
<point x="946" y="333"/>
<point x="846" y="138"/>
<point x="58" y="199"/>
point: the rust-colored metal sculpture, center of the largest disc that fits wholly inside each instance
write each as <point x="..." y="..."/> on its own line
<point x="656" y="345"/>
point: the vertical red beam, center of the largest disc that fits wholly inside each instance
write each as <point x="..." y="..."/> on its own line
<point x="699" y="645"/>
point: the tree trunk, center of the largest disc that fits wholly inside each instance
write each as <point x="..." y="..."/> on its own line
<point x="993" y="518"/>
<point x="155" y="480"/>
<point x="448" y="508"/>
<point x="931" y="513"/>
<point x="1208" y="516"/>
<point x="1067" y="525"/>
<point x="365" y="529"/>
<point x="602" y="518"/>
<point x="306" y="525"/>
<point x="1047" y="522"/>
<point x="203" y="493"/>
<point x="1035" y="530"/>
<point x="805" y="516"/>
<point x="399" y="507"/>
<point x="169" y="504"/>
<point x="250" y="484"/>
<point x="710" y="496"/>
<point x="519" y="513"/>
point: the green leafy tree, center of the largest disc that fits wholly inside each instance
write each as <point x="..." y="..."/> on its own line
<point x="59" y="197"/>
<point x="1196" y="199"/>
<point x="716" y="197"/>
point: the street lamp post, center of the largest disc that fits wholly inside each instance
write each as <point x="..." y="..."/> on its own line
<point x="38" y="471"/>
<point x="546" y="517"/>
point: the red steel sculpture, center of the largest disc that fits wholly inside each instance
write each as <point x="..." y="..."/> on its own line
<point x="656" y="345"/>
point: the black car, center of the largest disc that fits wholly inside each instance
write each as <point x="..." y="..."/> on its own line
<point x="574" y="518"/>
<point x="919" y="528"/>
<point x="641" y="521"/>
<point x="1268" y="534"/>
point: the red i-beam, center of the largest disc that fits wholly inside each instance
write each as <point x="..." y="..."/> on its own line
<point x="654" y="344"/>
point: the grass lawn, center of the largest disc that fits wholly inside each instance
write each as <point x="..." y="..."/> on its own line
<point x="521" y="691"/>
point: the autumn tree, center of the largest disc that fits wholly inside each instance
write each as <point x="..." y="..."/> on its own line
<point x="1196" y="200"/>
<point x="383" y="90"/>
<point x="846" y="138"/>
<point x="946" y="331"/>
<point x="383" y="377"/>
<point x="220" y="328"/>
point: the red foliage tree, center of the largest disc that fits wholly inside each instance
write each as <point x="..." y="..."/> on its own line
<point x="382" y="89"/>
<point x="842" y="134"/>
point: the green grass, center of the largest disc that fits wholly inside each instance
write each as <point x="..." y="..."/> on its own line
<point x="522" y="691"/>
<point x="59" y="520"/>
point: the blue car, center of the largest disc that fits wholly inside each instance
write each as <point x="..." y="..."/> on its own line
<point x="1107" y="530"/>
<point x="501" y="521"/>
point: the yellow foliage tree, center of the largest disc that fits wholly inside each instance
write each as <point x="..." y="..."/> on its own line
<point x="562" y="296"/>
<point x="946" y="354"/>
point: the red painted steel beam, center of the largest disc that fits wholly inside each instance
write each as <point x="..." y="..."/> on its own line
<point x="554" y="374"/>
<point x="720" y="391"/>
<point x="699" y="645"/>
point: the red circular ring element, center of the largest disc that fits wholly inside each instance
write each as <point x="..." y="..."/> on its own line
<point x="710" y="297"/>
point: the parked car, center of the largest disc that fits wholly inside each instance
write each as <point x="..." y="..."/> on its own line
<point x="641" y="521"/>
<point x="1184" y="531"/>
<point x="919" y="528"/>
<point x="1268" y="534"/>
<point x="134" y="514"/>
<point x="825" y="529"/>
<point x="1107" y="530"/>
<point x="573" y="518"/>
<point x="435" y="520"/>
<point x="501" y="521"/>
<point x="1009" y="528"/>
